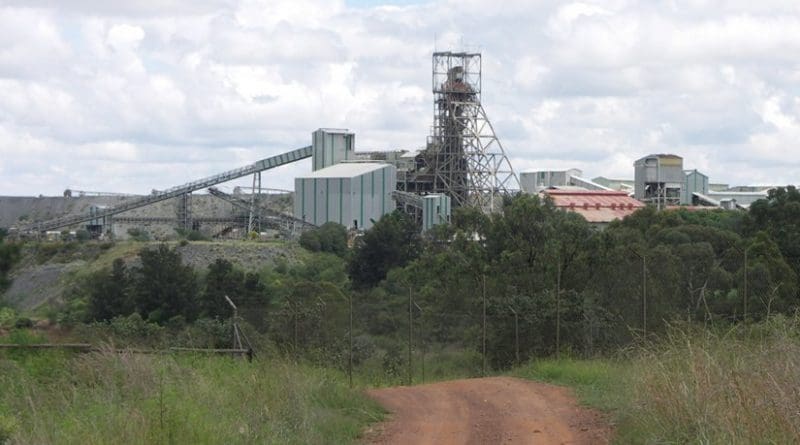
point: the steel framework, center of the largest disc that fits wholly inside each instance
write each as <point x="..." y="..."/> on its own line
<point x="464" y="158"/>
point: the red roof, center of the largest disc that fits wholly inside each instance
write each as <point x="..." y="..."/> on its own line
<point x="597" y="206"/>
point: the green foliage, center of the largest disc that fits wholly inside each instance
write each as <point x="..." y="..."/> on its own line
<point x="330" y="237"/>
<point x="245" y="289"/>
<point x="130" y="398"/>
<point x="599" y="383"/>
<point x="191" y="235"/>
<point x="163" y="286"/>
<point x="82" y="235"/>
<point x="8" y="425"/>
<point x="9" y="256"/>
<point x="391" y="242"/>
<point x="778" y="215"/>
<point x="110" y="293"/>
<point x="137" y="234"/>
<point x="7" y="317"/>
<point x="3" y="233"/>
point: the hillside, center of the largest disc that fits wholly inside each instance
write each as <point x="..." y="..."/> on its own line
<point x="46" y="269"/>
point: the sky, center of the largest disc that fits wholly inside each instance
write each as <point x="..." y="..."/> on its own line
<point x="135" y="96"/>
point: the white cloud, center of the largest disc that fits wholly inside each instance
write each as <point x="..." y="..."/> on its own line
<point x="132" y="96"/>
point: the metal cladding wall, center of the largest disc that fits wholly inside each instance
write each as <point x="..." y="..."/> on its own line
<point x="435" y="210"/>
<point x="331" y="146"/>
<point x="696" y="182"/>
<point x="660" y="168"/>
<point x="534" y="182"/>
<point x="351" y="194"/>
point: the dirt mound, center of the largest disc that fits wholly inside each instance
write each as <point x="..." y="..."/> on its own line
<point x="486" y="411"/>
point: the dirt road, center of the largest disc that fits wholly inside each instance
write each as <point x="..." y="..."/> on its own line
<point x="494" y="410"/>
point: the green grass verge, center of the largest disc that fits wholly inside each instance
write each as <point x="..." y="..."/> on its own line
<point x="141" y="399"/>
<point x="599" y="383"/>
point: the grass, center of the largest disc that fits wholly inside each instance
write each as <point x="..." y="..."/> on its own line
<point x="736" y="385"/>
<point x="107" y="397"/>
<point x="598" y="383"/>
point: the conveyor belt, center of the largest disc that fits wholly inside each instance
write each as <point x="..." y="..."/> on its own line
<point x="134" y="203"/>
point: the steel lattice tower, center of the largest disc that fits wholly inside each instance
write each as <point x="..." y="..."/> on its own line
<point x="464" y="157"/>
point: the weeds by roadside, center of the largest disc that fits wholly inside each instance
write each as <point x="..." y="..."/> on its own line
<point x="106" y="397"/>
<point x="724" y="385"/>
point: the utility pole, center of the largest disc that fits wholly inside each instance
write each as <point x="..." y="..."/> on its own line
<point x="350" y="339"/>
<point x="745" y="285"/>
<point x="516" y="334"/>
<point x="644" y="290"/>
<point x="484" y="325"/>
<point x="410" y="335"/>
<point x="421" y="339"/>
<point x="743" y="252"/>
<point x="558" y="310"/>
<point x="237" y="342"/>
<point x="644" y="296"/>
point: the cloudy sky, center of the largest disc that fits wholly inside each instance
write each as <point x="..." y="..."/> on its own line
<point x="131" y="96"/>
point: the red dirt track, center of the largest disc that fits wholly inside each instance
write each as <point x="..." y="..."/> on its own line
<point x="494" y="410"/>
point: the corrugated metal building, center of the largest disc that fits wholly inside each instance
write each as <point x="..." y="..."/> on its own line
<point x="331" y="146"/>
<point x="598" y="207"/>
<point x="435" y="210"/>
<point x="696" y="182"/>
<point x="535" y="182"/>
<point x="659" y="179"/>
<point x="352" y="194"/>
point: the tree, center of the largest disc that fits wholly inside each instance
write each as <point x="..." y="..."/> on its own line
<point x="9" y="255"/>
<point x="222" y="279"/>
<point x="778" y="215"/>
<point x="110" y="293"/>
<point x="164" y="286"/>
<point x="391" y="242"/>
<point x="329" y="237"/>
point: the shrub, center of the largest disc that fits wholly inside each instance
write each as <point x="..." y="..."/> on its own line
<point x="137" y="234"/>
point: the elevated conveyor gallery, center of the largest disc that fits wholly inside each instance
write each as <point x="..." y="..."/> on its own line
<point x="271" y="218"/>
<point x="134" y="203"/>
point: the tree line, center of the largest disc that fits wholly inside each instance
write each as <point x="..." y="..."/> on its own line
<point x="538" y="273"/>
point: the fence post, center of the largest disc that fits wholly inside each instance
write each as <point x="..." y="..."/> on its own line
<point x="516" y="334"/>
<point x="350" y="335"/>
<point x="410" y="336"/>
<point x="483" y="371"/>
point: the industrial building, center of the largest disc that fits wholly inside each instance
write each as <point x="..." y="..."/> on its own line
<point x="598" y="207"/>
<point x="658" y="179"/>
<point x="535" y="182"/>
<point x="354" y="195"/>
<point x="463" y="163"/>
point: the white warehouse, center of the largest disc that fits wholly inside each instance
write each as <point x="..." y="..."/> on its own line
<point x="349" y="193"/>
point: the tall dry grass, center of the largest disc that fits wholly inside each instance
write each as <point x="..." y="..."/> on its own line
<point x="735" y="386"/>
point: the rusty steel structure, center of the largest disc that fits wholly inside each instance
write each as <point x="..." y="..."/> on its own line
<point x="463" y="157"/>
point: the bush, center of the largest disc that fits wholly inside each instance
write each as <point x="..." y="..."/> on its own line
<point x="7" y="317"/>
<point x="196" y="235"/>
<point x="137" y="234"/>
<point x="330" y="237"/>
<point x="82" y="235"/>
<point x="8" y="425"/>
<point x="23" y="323"/>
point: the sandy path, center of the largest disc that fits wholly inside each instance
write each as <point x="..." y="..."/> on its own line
<point x="494" y="410"/>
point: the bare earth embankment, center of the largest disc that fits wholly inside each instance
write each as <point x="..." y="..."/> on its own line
<point x="495" y="410"/>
